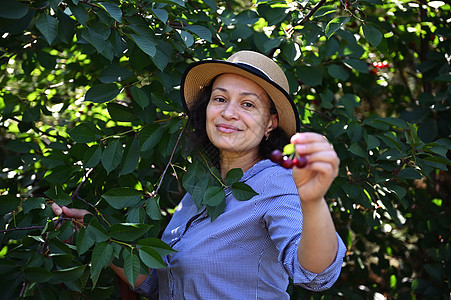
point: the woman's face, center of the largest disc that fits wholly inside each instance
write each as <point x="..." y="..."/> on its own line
<point x="238" y="115"/>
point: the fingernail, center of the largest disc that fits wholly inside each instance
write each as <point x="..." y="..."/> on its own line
<point x="58" y="211"/>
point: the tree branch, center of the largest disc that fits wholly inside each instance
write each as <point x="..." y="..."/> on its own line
<point x="310" y="13"/>
<point x="21" y="228"/>
<point x="170" y="159"/>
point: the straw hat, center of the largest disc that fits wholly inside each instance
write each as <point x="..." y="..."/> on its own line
<point x="252" y="65"/>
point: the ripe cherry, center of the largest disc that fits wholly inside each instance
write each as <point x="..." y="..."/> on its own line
<point x="276" y="156"/>
<point x="287" y="162"/>
<point x="300" y="162"/>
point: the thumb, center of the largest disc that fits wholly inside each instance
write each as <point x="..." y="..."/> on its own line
<point x="56" y="209"/>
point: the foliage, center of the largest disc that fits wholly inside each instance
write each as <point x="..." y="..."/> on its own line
<point x="91" y="117"/>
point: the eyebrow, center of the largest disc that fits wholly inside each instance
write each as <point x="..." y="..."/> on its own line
<point x="242" y="93"/>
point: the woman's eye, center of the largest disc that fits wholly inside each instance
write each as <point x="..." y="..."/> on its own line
<point x="219" y="99"/>
<point x="248" y="105"/>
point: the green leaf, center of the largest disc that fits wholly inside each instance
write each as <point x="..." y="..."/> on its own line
<point x="8" y="203"/>
<point x="21" y="147"/>
<point x="358" y="65"/>
<point x="12" y="9"/>
<point x="234" y="175"/>
<point x="80" y="12"/>
<point x="187" y="38"/>
<point x="161" y="14"/>
<point x="337" y="72"/>
<point x="131" y="158"/>
<point x="150" y="136"/>
<point x="350" y="101"/>
<point x="128" y="231"/>
<point x="111" y="156"/>
<point x="115" y="73"/>
<point x="58" y="195"/>
<point x="84" y="241"/>
<point x="242" y="192"/>
<point x="97" y="231"/>
<point x="215" y="211"/>
<point x="32" y="203"/>
<point x="201" y="31"/>
<point x="372" y="34"/>
<point x="410" y="173"/>
<point x="131" y="268"/>
<point x="101" y="256"/>
<point x="323" y="11"/>
<point x="102" y="93"/>
<point x="48" y="26"/>
<point x="92" y="157"/>
<point x="113" y="9"/>
<point x="37" y="274"/>
<point x="145" y="44"/>
<point x="150" y="257"/>
<point x="120" y="113"/>
<point x="82" y="133"/>
<point x="335" y="24"/>
<point x="372" y="142"/>
<point x="311" y="76"/>
<point x="139" y="96"/>
<point x="214" y="195"/>
<point x="69" y="274"/>
<point x="357" y="150"/>
<point x="195" y="182"/>
<point x="158" y="245"/>
<point x="153" y="209"/>
<point x="66" y="27"/>
<point x="122" y="197"/>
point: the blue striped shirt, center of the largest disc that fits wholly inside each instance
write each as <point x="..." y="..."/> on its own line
<point x="248" y="252"/>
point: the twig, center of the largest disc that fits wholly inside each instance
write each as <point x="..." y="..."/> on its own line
<point x="95" y="208"/>
<point x="311" y="12"/>
<point x="80" y="185"/>
<point x="170" y="159"/>
<point x="22" y="228"/>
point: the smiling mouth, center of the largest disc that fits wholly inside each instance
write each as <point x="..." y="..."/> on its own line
<point x="226" y="128"/>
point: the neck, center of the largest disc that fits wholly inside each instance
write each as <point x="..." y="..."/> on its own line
<point x="233" y="160"/>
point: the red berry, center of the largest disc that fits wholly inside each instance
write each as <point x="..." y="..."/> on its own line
<point x="287" y="162"/>
<point x="301" y="162"/>
<point x="276" y="156"/>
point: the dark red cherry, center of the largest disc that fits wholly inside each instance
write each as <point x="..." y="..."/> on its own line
<point x="287" y="162"/>
<point x="276" y="156"/>
<point x="300" y="161"/>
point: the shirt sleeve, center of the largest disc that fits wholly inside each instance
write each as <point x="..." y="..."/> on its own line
<point x="284" y="224"/>
<point x="149" y="288"/>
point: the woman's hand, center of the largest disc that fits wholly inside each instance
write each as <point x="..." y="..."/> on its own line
<point x="74" y="213"/>
<point x="315" y="178"/>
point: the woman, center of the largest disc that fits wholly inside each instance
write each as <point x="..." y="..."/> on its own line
<point x="241" y="110"/>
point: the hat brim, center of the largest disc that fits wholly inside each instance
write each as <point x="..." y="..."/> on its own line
<point x="199" y="75"/>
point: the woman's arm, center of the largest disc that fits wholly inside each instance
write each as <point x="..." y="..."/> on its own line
<point x="318" y="245"/>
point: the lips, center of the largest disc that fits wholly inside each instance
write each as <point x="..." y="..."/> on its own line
<point x="227" y="128"/>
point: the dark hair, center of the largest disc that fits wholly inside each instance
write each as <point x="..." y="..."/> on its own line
<point x="197" y="118"/>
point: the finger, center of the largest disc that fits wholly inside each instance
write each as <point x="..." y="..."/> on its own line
<point x="75" y="212"/>
<point x="307" y="137"/>
<point x="326" y="162"/>
<point x="56" y="209"/>
<point x="310" y="148"/>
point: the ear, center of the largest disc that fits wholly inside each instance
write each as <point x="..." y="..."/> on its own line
<point x="272" y="124"/>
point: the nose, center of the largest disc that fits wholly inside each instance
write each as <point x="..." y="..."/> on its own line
<point x="230" y="111"/>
